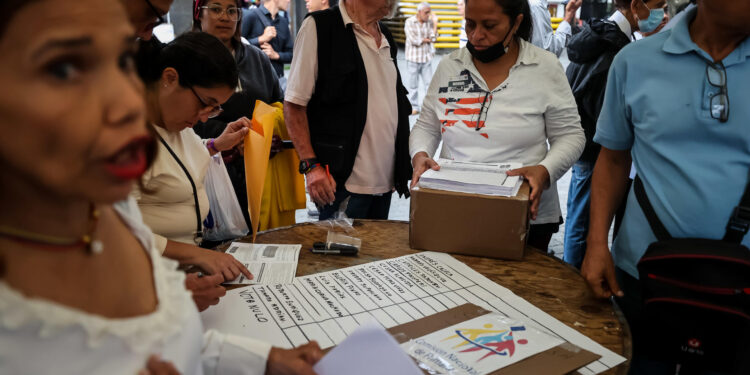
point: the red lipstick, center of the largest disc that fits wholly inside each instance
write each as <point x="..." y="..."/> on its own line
<point x="129" y="162"/>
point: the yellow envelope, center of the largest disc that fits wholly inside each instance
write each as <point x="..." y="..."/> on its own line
<point x="284" y="190"/>
<point x="257" y="149"/>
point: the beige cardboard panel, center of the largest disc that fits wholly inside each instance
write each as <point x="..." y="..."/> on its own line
<point x="469" y="224"/>
<point x="560" y="360"/>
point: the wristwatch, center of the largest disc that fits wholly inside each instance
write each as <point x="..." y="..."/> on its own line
<point x="307" y="165"/>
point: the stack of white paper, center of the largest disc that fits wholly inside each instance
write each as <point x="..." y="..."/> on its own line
<point x="473" y="178"/>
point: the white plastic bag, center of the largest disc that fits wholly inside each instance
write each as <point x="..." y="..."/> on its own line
<point x="225" y="220"/>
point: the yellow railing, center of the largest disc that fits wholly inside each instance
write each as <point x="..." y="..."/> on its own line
<point x="556" y="22"/>
<point x="449" y="22"/>
<point x="438" y="12"/>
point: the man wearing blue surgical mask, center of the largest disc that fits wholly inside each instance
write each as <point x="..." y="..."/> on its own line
<point x="656" y="20"/>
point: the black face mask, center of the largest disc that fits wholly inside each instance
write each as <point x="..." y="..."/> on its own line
<point x="492" y="53"/>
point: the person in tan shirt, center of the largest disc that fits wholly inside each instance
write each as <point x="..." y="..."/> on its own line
<point x="186" y="81"/>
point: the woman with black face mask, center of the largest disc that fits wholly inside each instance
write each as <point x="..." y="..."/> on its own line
<point x="502" y="99"/>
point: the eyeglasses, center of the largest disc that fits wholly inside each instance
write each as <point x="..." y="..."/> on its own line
<point x="213" y="110"/>
<point x="717" y="77"/>
<point x="216" y="11"/>
<point x="159" y="17"/>
<point x="483" y="110"/>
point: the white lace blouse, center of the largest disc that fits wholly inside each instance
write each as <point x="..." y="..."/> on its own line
<point x="43" y="337"/>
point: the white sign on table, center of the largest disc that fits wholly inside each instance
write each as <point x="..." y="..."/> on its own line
<point x="329" y="306"/>
<point x="478" y="346"/>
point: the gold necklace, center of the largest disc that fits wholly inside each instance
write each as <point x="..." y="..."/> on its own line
<point x="55" y="243"/>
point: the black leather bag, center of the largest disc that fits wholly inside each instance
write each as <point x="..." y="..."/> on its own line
<point x="696" y="294"/>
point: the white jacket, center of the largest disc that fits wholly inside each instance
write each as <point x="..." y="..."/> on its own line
<point x="529" y="118"/>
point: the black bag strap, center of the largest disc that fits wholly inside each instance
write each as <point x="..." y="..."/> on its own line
<point x="739" y="222"/>
<point x="198" y="235"/>
<point x="262" y="17"/>
<point x="737" y="228"/>
<point x="661" y="233"/>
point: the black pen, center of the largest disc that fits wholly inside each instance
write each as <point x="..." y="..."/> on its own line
<point x="334" y="249"/>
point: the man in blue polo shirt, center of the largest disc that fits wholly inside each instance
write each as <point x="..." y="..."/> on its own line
<point x="677" y="103"/>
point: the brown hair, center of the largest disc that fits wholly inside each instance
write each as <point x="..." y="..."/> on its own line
<point x="236" y="38"/>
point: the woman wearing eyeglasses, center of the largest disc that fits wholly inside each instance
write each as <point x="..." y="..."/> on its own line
<point x="257" y="81"/>
<point x="186" y="80"/>
<point x="502" y="99"/>
<point x="82" y="288"/>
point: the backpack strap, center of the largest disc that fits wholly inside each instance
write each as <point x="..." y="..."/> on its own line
<point x="739" y="222"/>
<point x="262" y="17"/>
<point x="737" y="228"/>
<point x="661" y="233"/>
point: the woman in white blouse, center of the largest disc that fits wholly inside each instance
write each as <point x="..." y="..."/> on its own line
<point x="186" y="80"/>
<point x="501" y="99"/>
<point x="82" y="288"/>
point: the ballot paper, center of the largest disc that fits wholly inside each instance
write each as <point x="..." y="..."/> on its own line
<point x="369" y="350"/>
<point x="473" y="178"/>
<point x="269" y="263"/>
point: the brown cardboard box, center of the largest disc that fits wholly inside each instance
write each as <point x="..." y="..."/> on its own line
<point x="469" y="224"/>
<point x="561" y="359"/>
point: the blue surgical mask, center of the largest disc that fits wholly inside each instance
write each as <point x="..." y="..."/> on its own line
<point x="653" y="21"/>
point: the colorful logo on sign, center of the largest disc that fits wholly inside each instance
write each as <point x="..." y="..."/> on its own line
<point x="494" y="341"/>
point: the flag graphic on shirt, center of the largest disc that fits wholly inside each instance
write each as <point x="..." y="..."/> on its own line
<point x="466" y="103"/>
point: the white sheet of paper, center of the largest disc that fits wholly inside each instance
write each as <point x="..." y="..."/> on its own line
<point x="328" y="306"/>
<point x="269" y="263"/>
<point x="479" y="346"/>
<point x="369" y="350"/>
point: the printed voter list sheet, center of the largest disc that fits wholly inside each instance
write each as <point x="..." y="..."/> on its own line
<point x="269" y="263"/>
<point x="329" y="306"/>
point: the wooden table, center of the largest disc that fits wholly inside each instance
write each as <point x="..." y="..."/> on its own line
<point x="545" y="281"/>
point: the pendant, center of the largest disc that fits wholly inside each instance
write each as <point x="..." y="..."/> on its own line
<point x="96" y="247"/>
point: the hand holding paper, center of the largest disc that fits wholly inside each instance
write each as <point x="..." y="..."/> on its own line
<point x="421" y="163"/>
<point x="233" y="134"/>
<point x="297" y="361"/>
<point x="538" y="178"/>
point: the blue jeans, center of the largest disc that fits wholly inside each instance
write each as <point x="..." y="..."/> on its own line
<point x="577" y="220"/>
<point x="360" y="206"/>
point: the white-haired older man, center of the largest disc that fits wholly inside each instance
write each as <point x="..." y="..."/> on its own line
<point x="420" y="35"/>
<point x="347" y="111"/>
